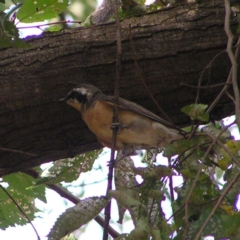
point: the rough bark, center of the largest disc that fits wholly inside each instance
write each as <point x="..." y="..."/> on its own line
<point x="173" y="46"/>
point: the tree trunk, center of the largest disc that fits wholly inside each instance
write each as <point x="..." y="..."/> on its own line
<point x="175" y="45"/>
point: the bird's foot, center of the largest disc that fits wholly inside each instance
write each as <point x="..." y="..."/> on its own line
<point x="127" y="151"/>
<point x="118" y="126"/>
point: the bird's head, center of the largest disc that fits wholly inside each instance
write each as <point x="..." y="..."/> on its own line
<point x="81" y="96"/>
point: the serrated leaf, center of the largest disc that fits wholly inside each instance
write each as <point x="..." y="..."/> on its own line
<point x="124" y="177"/>
<point x="24" y="184"/>
<point x="142" y="231"/>
<point x="226" y="159"/>
<point x="196" y="112"/>
<point x="215" y="130"/>
<point x="156" y="172"/>
<point x="69" y="169"/>
<point x="69" y="237"/>
<point x="74" y="217"/>
<point x="40" y="10"/>
<point x="20" y="190"/>
<point x="125" y="197"/>
<point x="177" y="147"/>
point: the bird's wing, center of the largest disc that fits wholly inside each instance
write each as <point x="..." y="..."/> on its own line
<point x="133" y="107"/>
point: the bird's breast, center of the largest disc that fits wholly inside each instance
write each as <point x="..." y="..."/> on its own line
<point x="135" y="130"/>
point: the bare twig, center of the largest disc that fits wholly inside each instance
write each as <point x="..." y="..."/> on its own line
<point x="20" y="209"/>
<point x="171" y="182"/>
<point x="233" y="61"/>
<point x="230" y="96"/>
<point x="18" y="151"/>
<point x="142" y="79"/>
<point x="201" y="76"/>
<point x="49" y="24"/>
<point x="229" y="80"/>
<point x="203" y="87"/>
<point x="69" y="196"/>
<point x="66" y="194"/>
<point x="115" y="116"/>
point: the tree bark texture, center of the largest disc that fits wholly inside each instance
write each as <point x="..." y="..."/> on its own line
<point x="172" y="46"/>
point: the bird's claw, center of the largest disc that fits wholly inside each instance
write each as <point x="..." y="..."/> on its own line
<point x="112" y="164"/>
<point x="117" y="126"/>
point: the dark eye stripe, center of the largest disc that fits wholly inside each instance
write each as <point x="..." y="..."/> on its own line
<point x="82" y="98"/>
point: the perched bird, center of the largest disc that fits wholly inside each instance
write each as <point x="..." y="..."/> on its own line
<point x="138" y="127"/>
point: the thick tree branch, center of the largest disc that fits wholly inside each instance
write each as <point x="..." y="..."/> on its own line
<point x="172" y="46"/>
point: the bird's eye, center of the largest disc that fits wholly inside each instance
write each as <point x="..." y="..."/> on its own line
<point x="82" y="98"/>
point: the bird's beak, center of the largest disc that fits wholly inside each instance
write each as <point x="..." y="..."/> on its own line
<point x="62" y="100"/>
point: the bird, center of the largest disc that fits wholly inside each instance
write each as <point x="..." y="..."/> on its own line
<point x="138" y="128"/>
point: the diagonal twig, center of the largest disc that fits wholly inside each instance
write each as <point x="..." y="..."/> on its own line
<point x="69" y="196"/>
<point x="20" y="209"/>
<point x="233" y="61"/>
<point x="142" y="79"/>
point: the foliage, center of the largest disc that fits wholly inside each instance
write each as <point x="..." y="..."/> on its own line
<point x="19" y="188"/>
<point x="29" y="11"/>
<point x="207" y="160"/>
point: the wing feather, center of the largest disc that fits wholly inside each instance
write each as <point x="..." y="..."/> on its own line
<point x="133" y="107"/>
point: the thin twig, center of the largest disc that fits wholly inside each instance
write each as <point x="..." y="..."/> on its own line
<point x="115" y="116"/>
<point x="142" y="79"/>
<point x="66" y="194"/>
<point x="201" y="76"/>
<point x="230" y="96"/>
<point x="20" y="209"/>
<point x="18" y="151"/>
<point x="225" y="191"/>
<point x="49" y="24"/>
<point x="233" y="61"/>
<point x="171" y="182"/>
<point x="229" y="79"/>
<point x="69" y="196"/>
<point x="203" y="87"/>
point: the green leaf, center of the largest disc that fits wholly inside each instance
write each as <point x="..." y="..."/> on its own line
<point x="77" y="216"/>
<point x="20" y="190"/>
<point x="142" y="231"/>
<point x="69" y="169"/>
<point x="125" y="197"/>
<point x="24" y="184"/>
<point x="155" y="172"/>
<point x="40" y="10"/>
<point x="54" y="28"/>
<point x="9" y="36"/>
<point x="177" y="147"/>
<point x="196" y="112"/>
<point x="2" y="6"/>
